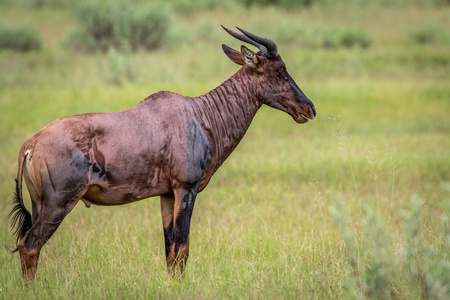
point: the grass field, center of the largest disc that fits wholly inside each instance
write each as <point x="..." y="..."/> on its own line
<point x="352" y="205"/>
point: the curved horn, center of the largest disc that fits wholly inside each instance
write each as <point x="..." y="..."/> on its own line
<point x="269" y="44"/>
<point x="247" y="39"/>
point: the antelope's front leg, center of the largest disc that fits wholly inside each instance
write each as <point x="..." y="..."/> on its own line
<point x="177" y="236"/>
<point x="167" y="205"/>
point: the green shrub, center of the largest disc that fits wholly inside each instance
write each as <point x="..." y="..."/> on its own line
<point x="21" y="39"/>
<point x="47" y="3"/>
<point x="429" y="34"/>
<point x="355" y="37"/>
<point x="345" y="38"/>
<point x="109" y="24"/>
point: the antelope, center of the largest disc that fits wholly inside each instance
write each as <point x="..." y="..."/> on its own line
<point x="168" y="145"/>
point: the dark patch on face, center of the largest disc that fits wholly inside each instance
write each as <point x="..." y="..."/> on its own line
<point x="298" y="93"/>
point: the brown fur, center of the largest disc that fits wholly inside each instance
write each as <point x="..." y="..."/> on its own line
<point x="168" y="145"/>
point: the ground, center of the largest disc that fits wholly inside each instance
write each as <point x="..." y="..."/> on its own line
<point x="354" y="204"/>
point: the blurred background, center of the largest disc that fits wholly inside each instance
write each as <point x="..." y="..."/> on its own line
<point x="352" y="205"/>
<point x="59" y="42"/>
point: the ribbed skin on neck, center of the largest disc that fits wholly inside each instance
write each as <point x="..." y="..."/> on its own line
<point x="227" y="111"/>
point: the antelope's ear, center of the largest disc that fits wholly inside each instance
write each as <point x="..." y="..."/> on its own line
<point x="249" y="57"/>
<point x="233" y="55"/>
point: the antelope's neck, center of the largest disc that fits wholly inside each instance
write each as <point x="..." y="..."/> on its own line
<point x="227" y="111"/>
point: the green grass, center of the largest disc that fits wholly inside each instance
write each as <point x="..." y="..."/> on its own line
<point x="354" y="204"/>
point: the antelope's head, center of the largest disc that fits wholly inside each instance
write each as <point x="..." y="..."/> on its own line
<point x="273" y="84"/>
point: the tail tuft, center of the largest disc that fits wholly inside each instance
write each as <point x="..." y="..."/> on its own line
<point x="19" y="216"/>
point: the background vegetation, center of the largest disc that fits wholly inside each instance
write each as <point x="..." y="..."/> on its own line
<point x="352" y="205"/>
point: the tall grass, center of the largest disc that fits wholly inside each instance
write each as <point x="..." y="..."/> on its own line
<point x="262" y="227"/>
<point x="352" y="205"/>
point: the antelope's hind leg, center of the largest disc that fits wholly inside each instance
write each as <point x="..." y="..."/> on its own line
<point x="53" y="211"/>
<point x="61" y="191"/>
<point x="50" y="217"/>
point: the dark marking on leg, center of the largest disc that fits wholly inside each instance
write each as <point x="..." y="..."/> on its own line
<point x="167" y="213"/>
<point x="55" y="205"/>
<point x="168" y="238"/>
<point x="184" y="206"/>
<point x="30" y="245"/>
<point x="35" y="212"/>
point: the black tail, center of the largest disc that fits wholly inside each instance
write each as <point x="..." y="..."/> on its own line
<point x="19" y="215"/>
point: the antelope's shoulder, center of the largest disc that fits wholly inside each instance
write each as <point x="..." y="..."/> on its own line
<point x="162" y="96"/>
